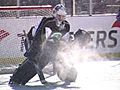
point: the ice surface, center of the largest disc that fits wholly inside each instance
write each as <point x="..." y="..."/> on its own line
<point x="99" y="75"/>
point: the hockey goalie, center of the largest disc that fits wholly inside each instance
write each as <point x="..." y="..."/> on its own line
<point x="58" y="51"/>
<point x="41" y="50"/>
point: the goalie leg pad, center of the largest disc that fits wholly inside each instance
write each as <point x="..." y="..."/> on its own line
<point x="23" y="73"/>
<point x="68" y="74"/>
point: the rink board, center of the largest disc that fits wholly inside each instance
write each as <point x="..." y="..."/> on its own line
<point x="105" y="39"/>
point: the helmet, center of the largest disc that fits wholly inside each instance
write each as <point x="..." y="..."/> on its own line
<point x="59" y="9"/>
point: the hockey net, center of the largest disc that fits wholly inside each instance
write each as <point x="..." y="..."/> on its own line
<point x="22" y="11"/>
<point x="9" y="64"/>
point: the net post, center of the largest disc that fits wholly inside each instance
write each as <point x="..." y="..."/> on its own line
<point x="72" y="7"/>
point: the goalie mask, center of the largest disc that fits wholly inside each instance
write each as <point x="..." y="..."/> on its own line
<point x="59" y="12"/>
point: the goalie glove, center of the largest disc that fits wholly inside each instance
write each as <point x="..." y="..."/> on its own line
<point x="55" y="37"/>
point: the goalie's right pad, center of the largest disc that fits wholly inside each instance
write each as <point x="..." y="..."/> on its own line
<point x="23" y="73"/>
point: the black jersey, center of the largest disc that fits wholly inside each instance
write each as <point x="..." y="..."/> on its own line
<point x="51" y="23"/>
<point x="39" y="37"/>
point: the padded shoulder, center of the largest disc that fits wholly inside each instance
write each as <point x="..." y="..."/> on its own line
<point x="48" y="18"/>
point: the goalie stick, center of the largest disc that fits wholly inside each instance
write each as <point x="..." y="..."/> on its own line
<point x="24" y="38"/>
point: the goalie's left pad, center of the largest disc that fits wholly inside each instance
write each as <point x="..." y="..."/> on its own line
<point x="67" y="74"/>
<point x="65" y="71"/>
